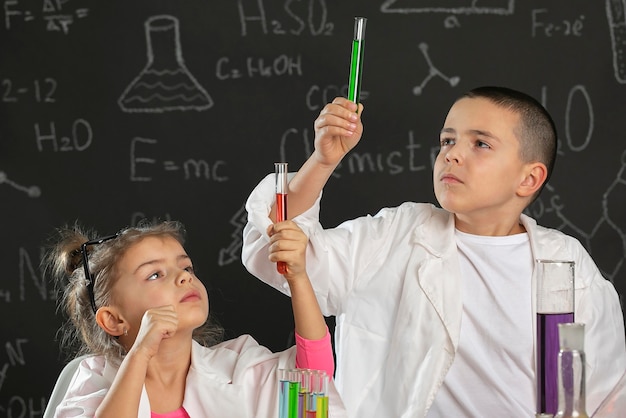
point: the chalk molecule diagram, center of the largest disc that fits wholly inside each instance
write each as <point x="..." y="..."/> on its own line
<point x="611" y="220"/>
<point x="32" y="191"/>
<point x="432" y="72"/>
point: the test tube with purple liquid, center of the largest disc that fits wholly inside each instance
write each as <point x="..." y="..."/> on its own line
<point x="555" y="305"/>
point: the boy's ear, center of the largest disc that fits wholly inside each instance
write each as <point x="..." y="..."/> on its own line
<point x="110" y="321"/>
<point x="535" y="174"/>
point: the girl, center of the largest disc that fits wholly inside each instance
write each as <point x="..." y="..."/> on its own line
<point x="135" y="304"/>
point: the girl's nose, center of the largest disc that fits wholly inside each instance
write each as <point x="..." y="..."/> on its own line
<point x="184" y="277"/>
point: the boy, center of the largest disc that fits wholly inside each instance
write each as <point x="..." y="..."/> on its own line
<point x="434" y="307"/>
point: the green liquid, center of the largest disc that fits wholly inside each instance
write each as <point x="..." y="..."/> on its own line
<point x="356" y="69"/>
<point x="294" y="390"/>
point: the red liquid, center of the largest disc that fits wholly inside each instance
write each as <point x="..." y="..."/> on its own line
<point x="281" y="215"/>
<point x="548" y="352"/>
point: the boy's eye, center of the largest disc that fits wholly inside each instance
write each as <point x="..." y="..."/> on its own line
<point x="190" y="269"/>
<point x="153" y="276"/>
<point x="481" y="144"/>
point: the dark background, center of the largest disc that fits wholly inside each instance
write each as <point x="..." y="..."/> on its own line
<point x="77" y="144"/>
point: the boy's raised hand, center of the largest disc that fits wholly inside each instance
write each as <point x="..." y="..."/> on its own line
<point x="338" y="129"/>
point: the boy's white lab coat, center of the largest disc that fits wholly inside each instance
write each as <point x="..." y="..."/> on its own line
<point x="393" y="282"/>
<point x="235" y="379"/>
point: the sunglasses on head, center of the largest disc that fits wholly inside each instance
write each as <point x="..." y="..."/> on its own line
<point x="89" y="278"/>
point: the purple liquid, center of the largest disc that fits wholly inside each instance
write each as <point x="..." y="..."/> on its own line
<point x="548" y="352"/>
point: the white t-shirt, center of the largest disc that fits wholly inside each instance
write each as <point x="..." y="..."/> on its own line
<point x="493" y="371"/>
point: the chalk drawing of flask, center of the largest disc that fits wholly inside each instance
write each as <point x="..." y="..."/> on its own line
<point x="164" y="84"/>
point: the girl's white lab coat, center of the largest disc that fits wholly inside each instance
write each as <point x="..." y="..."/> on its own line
<point x="235" y="379"/>
<point x="393" y="282"/>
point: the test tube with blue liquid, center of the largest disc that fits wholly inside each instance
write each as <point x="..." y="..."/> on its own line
<point x="283" y="393"/>
<point x="356" y="62"/>
<point x="281" y="202"/>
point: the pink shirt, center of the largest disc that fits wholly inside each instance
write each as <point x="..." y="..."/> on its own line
<point x="179" y="413"/>
<point x="315" y="354"/>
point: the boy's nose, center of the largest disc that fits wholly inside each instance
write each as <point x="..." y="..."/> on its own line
<point x="453" y="155"/>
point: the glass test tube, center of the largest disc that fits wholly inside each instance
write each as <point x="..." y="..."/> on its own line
<point x="571" y="373"/>
<point x="283" y="393"/>
<point x="356" y="63"/>
<point x="305" y="392"/>
<point x="294" y="391"/>
<point x="555" y="305"/>
<point x="281" y="202"/>
<point x="321" y="390"/>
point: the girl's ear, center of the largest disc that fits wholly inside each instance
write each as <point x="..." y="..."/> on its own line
<point x="109" y="319"/>
<point x="535" y="175"/>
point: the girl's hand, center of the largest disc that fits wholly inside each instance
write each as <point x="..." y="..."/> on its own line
<point x="338" y="129"/>
<point x="288" y="244"/>
<point x="157" y="324"/>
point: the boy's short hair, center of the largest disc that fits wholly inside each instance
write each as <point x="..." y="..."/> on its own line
<point x="536" y="132"/>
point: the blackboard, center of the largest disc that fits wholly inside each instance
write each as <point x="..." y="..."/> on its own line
<point x="89" y="130"/>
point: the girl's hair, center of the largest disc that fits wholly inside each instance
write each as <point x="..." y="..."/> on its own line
<point x="80" y="333"/>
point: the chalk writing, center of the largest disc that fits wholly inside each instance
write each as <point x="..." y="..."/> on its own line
<point x="15" y="355"/>
<point x="258" y="67"/>
<point x="31" y="191"/>
<point x="80" y="139"/>
<point x="432" y="72"/>
<point x="317" y="97"/>
<point x="54" y="13"/>
<point x="165" y="84"/>
<point x="502" y="7"/>
<point x="20" y="407"/>
<point x="392" y="162"/>
<point x="192" y="168"/>
<point x="563" y="27"/>
<point x="616" y="15"/>
<point x="42" y="91"/>
<point x="26" y="270"/>
<point x="570" y="110"/>
<point x="314" y="18"/>
<point x="233" y="251"/>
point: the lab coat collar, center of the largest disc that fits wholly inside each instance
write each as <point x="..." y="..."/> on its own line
<point x="439" y="275"/>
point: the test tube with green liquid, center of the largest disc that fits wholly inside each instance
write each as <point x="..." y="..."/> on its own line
<point x="356" y="63"/>
<point x="294" y="392"/>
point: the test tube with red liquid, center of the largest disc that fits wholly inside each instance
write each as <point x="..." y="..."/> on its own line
<point x="281" y="202"/>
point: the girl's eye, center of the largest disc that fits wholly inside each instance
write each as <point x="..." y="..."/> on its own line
<point x="481" y="144"/>
<point x="189" y="269"/>
<point x="153" y="276"/>
<point x="446" y="141"/>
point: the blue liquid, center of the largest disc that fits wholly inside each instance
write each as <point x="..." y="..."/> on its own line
<point x="283" y="399"/>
